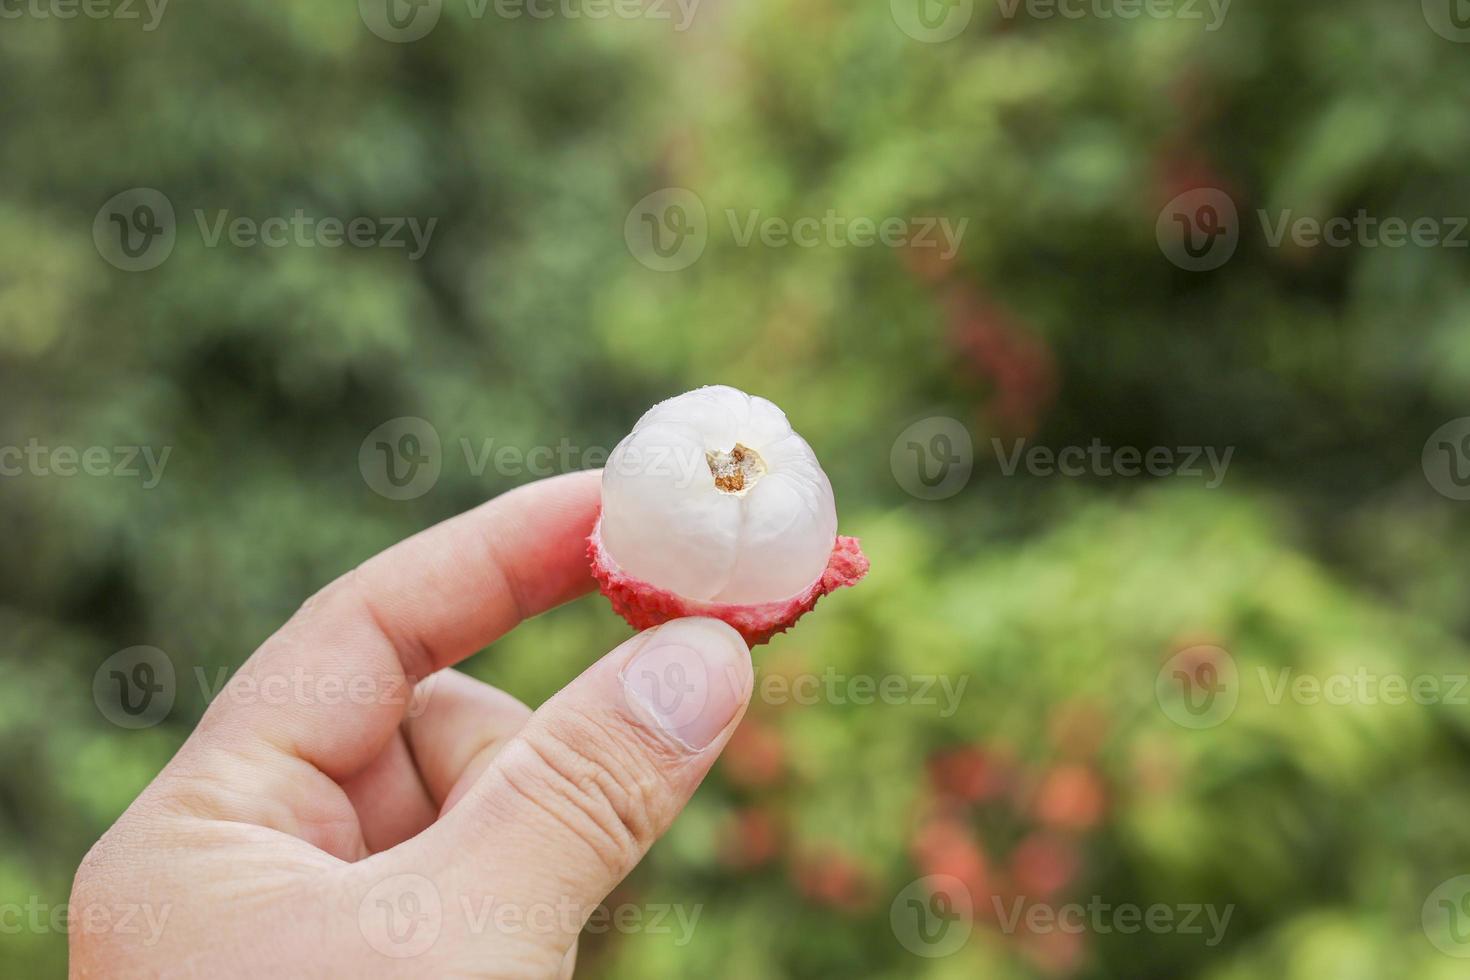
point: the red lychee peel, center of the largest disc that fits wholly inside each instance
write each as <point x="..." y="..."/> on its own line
<point x="644" y="605"/>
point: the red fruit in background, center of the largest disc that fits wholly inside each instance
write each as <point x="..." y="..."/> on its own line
<point x="1180" y="165"/>
<point x="996" y="346"/>
<point x="755" y="756"/>
<point x="946" y="846"/>
<point x="969" y="773"/>
<point x="750" y="838"/>
<point x="835" y="880"/>
<point x="1070" y="797"/>
<point x="1042" y="865"/>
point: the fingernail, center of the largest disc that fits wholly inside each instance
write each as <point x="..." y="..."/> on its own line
<point x="690" y="678"/>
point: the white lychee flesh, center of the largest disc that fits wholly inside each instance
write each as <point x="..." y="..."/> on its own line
<point x="713" y="497"/>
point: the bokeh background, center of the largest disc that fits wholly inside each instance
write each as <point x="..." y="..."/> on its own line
<point x="1073" y="770"/>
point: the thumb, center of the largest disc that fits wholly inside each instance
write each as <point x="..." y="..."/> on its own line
<point x="575" y="800"/>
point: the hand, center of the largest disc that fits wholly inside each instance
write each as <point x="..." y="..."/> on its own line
<point x="327" y="834"/>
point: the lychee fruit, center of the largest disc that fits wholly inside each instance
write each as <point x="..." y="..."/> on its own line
<point x="714" y="506"/>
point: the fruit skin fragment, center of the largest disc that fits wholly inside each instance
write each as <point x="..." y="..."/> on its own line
<point x="644" y="605"/>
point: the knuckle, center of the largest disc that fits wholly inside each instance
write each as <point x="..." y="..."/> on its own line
<point x="611" y="797"/>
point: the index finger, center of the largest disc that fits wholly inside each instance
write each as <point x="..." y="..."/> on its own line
<point x="424" y="604"/>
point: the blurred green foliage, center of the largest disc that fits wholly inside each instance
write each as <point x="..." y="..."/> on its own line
<point x="1057" y="601"/>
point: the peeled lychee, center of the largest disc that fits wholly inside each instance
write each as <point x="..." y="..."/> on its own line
<point x="713" y="506"/>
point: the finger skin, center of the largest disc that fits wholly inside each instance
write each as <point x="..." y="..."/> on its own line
<point x="448" y="739"/>
<point x="333" y="684"/>
<point x="600" y="771"/>
<point x="322" y="699"/>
